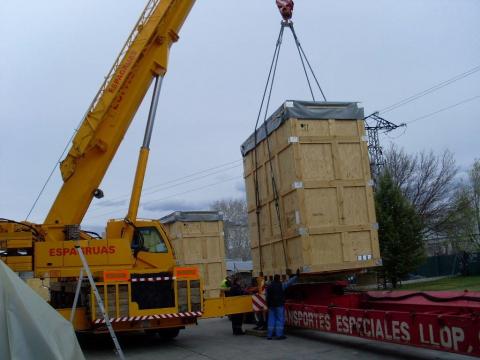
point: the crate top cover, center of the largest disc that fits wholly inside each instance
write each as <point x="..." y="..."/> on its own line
<point x="308" y="110"/>
<point x="192" y="216"/>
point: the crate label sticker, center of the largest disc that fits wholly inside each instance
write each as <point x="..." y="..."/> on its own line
<point x="293" y="139"/>
<point x="297" y="185"/>
<point x="302" y="231"/>
<point x="289" y="104"/>
<point x="306" y="269"/>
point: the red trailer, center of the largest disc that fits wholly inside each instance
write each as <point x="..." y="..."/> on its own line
<point x="445" y="321"/>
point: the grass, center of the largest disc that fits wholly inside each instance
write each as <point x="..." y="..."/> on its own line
<point x="471" y="283"/>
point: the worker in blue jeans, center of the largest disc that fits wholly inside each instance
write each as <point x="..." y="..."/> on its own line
<point x="276" y="306"/>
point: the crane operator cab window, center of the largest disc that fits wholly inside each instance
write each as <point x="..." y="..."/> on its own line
<point x="148" y="239"/>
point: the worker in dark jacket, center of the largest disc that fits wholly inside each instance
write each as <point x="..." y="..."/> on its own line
<point x="237" y="319"/>
<point x="276" y="306"/>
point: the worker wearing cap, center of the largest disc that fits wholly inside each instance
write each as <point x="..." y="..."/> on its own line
<point x="276" y="305"/>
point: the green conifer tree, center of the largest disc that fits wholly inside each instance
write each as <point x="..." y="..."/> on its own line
<point x="401" y="243"/>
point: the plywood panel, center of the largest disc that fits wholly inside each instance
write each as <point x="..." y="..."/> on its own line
<point x="250" y="190"/>
<point x="278" y="258"/>
<point x="357" y="244"/>
<point x="327" y="249"/>
<point x="273" y="221"/>
<point x="346" y="128"/>
<point x="296" y="251"/>
<point x="355" y="206"/>
<point x="278" y="184"/>
<point x="321" y="207"/>
<point x="262" y="184"/>
<point x="287" y="170"/>
<point x="350" y="161"/>
<point x="311" y="128"/>
<point x="291" y="211"/>
<point x="192" y="250"/>
<point x="317" y="162"/>
<point x="268" y="258"/>
<point x="265" y="225"/>
<point x="191" y="229"/>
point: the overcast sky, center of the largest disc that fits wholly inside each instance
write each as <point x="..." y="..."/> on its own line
<point x="54" y="55"/>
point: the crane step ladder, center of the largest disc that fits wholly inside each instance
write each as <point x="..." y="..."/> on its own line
<point x="101" y="307"/>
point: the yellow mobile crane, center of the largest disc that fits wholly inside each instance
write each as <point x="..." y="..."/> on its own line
<point x="134" y="266"/>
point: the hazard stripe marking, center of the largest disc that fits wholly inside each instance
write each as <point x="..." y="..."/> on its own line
<point x="150" y="317"/>
<point x="152" y="279"/>
<point x="259" y="303"/>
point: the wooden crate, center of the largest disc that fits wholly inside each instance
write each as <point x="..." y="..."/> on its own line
<point x="319" y="157"/>
<point x="198" y="239"/>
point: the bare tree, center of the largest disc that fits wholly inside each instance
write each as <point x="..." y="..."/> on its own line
<point x="428" y="182"/>
<point x="237" y="242"/>
<point x="460" y="230"/>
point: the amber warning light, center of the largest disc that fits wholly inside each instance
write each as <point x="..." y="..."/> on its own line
<point x="186" y="273"/>
<point x="116" y="275"/>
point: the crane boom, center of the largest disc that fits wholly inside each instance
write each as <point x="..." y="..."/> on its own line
<point x="144" y="56"/>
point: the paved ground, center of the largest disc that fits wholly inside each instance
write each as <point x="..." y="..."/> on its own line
<point x="212" y="339"/>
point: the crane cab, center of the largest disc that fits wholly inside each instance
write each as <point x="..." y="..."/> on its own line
<point x="148" y="242"/>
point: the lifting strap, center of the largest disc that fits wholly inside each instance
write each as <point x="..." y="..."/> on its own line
<point x="286" y="8"/>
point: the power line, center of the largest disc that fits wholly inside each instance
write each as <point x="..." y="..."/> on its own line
<point x="191" y="180"/>
<point x="193" y="190"/>
<point x="443" y="109"/>
<point x="175" y="182"/>
<point x="194" y="174"/>
<point x="430" y="90"/>
<point x="170" y="196"/>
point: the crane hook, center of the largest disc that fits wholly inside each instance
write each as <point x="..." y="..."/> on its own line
<point x="286" y="8"/>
